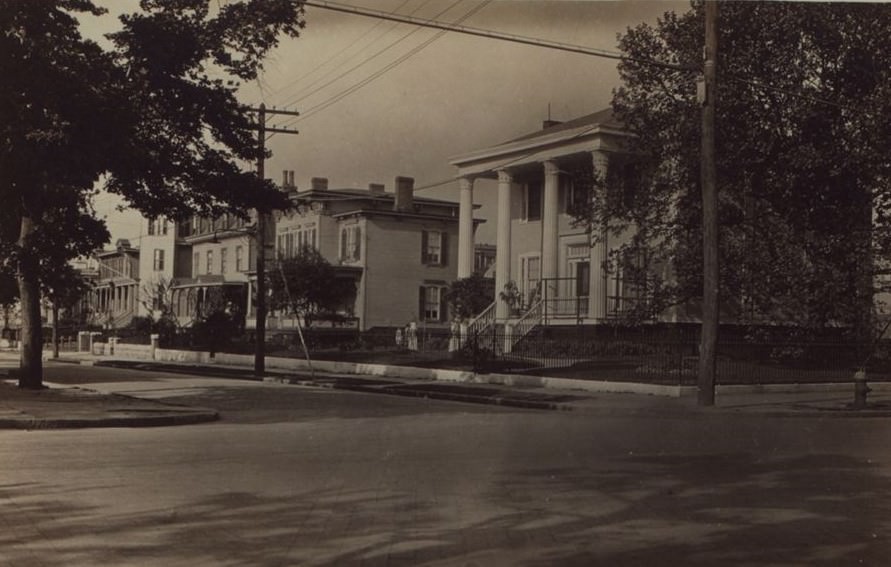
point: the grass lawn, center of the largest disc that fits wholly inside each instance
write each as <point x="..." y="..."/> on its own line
<point x="652" y="370"/>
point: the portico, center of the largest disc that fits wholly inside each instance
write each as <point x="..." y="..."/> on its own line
<point x="539" y="250"/>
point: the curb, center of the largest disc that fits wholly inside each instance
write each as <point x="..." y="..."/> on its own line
<point x="279" y="375"/>
<point x="407" y="391"/>
<point x="507" y="380"/>
<point x="33" y="423"/>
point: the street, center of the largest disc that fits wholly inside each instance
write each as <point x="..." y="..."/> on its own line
<point x="300" y="476"/>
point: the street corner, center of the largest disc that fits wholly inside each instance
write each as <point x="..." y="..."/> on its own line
<point x="829" y="406"/>
<point x="56" y="407"/>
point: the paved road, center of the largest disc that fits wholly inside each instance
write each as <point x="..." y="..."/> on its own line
<point x="295" y="476"/>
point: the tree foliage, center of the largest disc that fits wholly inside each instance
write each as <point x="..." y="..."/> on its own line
<point x="309" y="287"/>
<point x="802" y="145"/>
<point x="468" y="297"/>
<point x="155" y="116"/>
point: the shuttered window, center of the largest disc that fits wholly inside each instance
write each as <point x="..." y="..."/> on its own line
<point x="431" y="303"/>
<point x="434" y="248"/>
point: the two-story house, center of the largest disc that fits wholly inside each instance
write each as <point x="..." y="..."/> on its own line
<point x="164" y="258"/>
<point x="548" y="259"/>
<point x="115" y="296"/>
<point x="214" y="260"/>
<point x="396" y="247"/>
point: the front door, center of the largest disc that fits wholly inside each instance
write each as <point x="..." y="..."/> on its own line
<point x="581" y="272"/>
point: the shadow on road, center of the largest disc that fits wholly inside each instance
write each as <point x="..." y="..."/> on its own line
<point x="672" y="510"/>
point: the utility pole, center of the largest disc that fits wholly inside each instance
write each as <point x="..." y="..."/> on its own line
<point x="710" y="285"/>
<point x="260" y="234"/>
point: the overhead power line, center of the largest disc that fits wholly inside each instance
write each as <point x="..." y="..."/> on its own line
<point x="489" y="34"/>
<point x="377" y="74"/>
<point x="298" y="95"/>
<point x="336" y="55"/>
<point x="364" y="62"/>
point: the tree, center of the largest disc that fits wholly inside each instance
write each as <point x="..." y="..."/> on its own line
<point x="309" y="287"/>
<point x="9" y="296"/>
<point x="156" y="298"/>
<point x="63" y="288"/>
<point x="156" y="115"/>
<point x="802" y="148"/>
<point x="468" y="296"/>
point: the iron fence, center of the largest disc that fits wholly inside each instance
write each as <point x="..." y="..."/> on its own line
<point x="671" y="356"/>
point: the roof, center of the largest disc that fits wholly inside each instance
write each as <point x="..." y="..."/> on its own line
<point x="603" y="117"/>
<point x="598" y="130"/>
<point x="392" y="213"/>
<point x="368" y="194"/>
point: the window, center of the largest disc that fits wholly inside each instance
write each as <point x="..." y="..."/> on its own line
<point x="157" y="227"/>
<point x="196" y="265"/>
<point x="239" y="258"/>
<point x="532" y="202"/>
<point x="350" y="247"/>
<point x="209" y="267"/>
<point x="575" y="195"/>
<point x="223" y="254"/>
<point x="629" y="281"/>
<point x="306" y="238"/>
<point x="158" y="261"/>
<point x="432" y="304"/>
<point x="530" y="268"/>
<point x="434" y="247"/>
<point x="291" y="243"/>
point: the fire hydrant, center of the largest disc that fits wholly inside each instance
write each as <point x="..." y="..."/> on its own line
<point x="860" y="389"/>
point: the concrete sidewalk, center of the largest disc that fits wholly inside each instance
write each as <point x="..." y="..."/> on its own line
<point x="790" y="400"/>
<point x="64" y="406"/>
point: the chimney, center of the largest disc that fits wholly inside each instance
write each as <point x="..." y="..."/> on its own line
<point x="287" y="179"/>
<point x="376" y="187"/>
<point x="319" y="183"/>
<point x="548" y="123"/>
<point x="404" y="189"/>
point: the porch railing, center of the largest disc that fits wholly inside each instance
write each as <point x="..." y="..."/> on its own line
<point x="561" y="300"/>
<point x="524" y="325"/>
<point x="481" y="323"/>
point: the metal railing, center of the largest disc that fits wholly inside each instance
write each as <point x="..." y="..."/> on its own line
<point x="524" y="325"/>
<point x="561" y="300"/>
<point x="481" y="324"/>
<point x="665" y="356"/>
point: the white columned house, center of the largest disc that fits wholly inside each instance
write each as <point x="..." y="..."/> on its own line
<point x="540" y="249"/>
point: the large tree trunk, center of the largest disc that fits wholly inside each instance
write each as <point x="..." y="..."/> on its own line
<point x="32" y="329"/>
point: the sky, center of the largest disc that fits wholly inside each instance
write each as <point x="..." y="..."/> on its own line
<point x="376" y="103"/>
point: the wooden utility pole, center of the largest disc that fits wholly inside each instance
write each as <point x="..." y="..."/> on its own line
<point x="710" y="285"/>
<point x="260" y="234"/>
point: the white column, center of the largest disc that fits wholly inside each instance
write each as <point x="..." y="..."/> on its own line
<point x="597" y="302"/>
<point x="465" y="228"/>
<point x="502" y="243"/>
<point x="549" y="249"/>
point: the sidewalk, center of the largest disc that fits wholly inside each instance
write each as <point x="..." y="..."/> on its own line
<point x="77" y="406"/>
<point x="60" y="406"/>
<point x="803" y="400"/>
